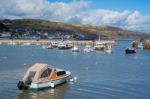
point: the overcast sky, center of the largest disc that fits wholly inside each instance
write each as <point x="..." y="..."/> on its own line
<point x="127" y="14"/>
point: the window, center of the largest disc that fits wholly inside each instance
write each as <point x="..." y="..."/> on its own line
<point x="61" y="73"/>
<point x="46" y="73"/>
<point x="30" y="77"/>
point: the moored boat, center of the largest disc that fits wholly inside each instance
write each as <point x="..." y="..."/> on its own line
<point x="99" y="46"/>
<point x="64" y="45"/>
<point x="54" y="44"/>
<point x="88" y="48"/>
<point x="50" y="46"/>
<point x="75" y="49"/>
<point x="26" y="43"/>
<point x="140" y="46"/>
<point x="41" y="76"/>
<point x="130" y="51"/>
<point x="108" y="49"/>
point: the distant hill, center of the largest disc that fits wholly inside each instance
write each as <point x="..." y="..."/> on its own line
<point x="105" y="32"/>
<point x="3" y="27"/>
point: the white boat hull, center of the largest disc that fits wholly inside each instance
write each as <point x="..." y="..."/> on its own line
<point x="88" y="50"/>
<point x="51" y="83"/>
<point x="109" y="51"/>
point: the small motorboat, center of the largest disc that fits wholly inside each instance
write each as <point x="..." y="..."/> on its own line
<point x="26" y="44"/>
<point x="88" y="48"/>
<point x="64" y="45"/>
<point x="130" y="51"/>
<point x="54" y="44"/>
<point x="140" y="46"/>
<point x="50" y="46"/>
<point x="108" y="49"/>
<point x="41" y="76"/>
<point x="75" y="49"/>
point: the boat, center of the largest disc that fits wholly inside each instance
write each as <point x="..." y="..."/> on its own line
<point x="54" y="44"/>
<point x="50" y="46"/>
<point x="108" y="49"/>
<point x="41" y="76"/>
<point x="99" y="46"/>
<point x="140" y="46"/>
<point x="64" y="45"/>
<point x="75" y="49"/>
<point x="88" y="48"/>
<point x="130" y="51"/>
<point x="61" y="45"/>
<point x="27" y="44"/>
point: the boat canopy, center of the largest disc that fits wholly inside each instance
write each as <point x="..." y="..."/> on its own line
<point x="39" y="73"/>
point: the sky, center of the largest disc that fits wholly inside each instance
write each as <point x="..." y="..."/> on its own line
<point x="127" y="14"/>
<point x="141" y="5"/>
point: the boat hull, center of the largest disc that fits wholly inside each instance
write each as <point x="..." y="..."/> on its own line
<point x="99" y="48"/>
<point x="63" y="48"/>
<point x="127" y="51"/>
<point x="48" y="84"/>
<point x="109" y="51"/>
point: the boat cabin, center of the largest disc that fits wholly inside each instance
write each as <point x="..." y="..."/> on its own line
<point x="42" y="73"/>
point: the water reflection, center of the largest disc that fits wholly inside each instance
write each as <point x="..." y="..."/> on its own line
<point x="52" y="93"/>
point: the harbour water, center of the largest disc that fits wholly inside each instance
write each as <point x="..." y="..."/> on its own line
<point x="100" y="75"/>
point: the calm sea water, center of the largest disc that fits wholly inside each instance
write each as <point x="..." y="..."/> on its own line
<point x="100" y="75"/>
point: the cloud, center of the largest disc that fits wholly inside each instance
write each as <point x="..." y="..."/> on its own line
<point x="74" y="12"/>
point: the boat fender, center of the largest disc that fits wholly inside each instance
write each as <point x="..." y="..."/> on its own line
<point x="52" y="85"/>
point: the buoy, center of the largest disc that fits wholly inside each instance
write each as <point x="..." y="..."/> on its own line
<point x="52" y="85"/>
<point x="75" y="78"/>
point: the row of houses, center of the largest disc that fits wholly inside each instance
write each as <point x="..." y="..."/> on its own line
<point x="39" y="35"/>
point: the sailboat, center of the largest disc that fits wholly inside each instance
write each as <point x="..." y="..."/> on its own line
<point x="99" y="46"/>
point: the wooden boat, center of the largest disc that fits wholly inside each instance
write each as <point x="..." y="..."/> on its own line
<point x="130" y="51"/>
<point x="41" y="76"/>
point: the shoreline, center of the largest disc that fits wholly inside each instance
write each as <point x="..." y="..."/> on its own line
<point x="45" y="42"/>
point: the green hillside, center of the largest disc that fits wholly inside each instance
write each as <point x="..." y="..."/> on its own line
<point x="106" y="32"/>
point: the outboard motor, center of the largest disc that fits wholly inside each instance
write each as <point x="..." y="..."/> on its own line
<point x="21" y="85"/>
